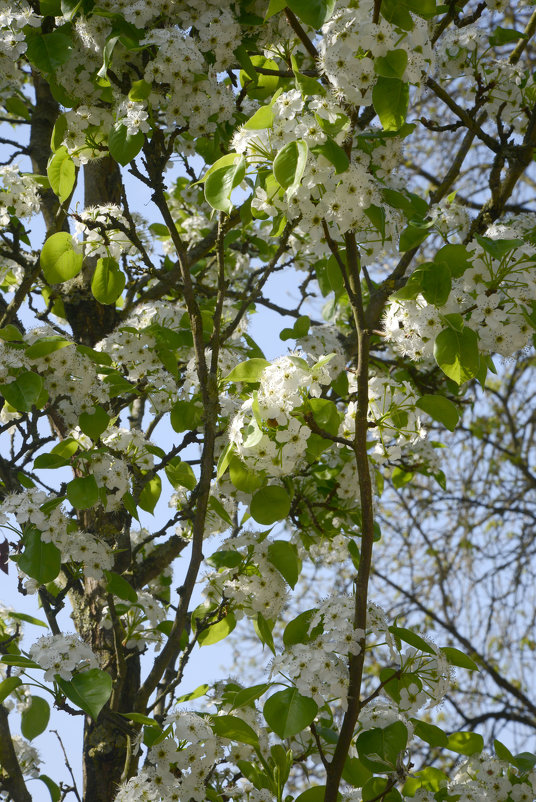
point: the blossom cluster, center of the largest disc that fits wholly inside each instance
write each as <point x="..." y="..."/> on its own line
<point x="63" y="655"/>
<point x="19" y="194"/>
<point x="493" y="295"/>
<point x="351" y="42"/>
<point x="251" y="583"/>
<point x="35" y="510"/>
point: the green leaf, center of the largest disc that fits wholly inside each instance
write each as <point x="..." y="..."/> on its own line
<point x="59" y="260"/>
<point x="220" y="182"/>
<point x="150" y="494"/>
<point x="411" y="237"/>
<point x="83" y="492"/>
<point x="376" y="215"/>
<point x="458" y="658"/>
<point x="392" y="65"/>
<point x="28" y="618"/>
<point x="140" y="90"/>
<point x="61" y="173"/>
<point x="504" y="36"/>
<point x="313" y="12"/>
<point x="124" y="147"/>
<point x="398" y="11"/>
<point x="299" y="329"/>
<point x="326" y="414"/>
<point x="394" y="682"/>
<point x="430" y="733"/>
<point x="408" y="636"/>
<point x="243" y="478"/>
<point x="25" y="392"/>
<point x="108" y="281"/>
<point x="390" y="97"/>
<point x="333" y="153"/>
<point x="89" y="690"/>
<point x="297" y="630"/>
<point x="502" y="751"/>
<point x="456" y="257"/>
<point x="94" y="423"/>
<point x="15" y="105"/>
<point x="457" y="354"/>
<point x="53" y="789"/>
<point x="355" y="772"/>
<point x="263" y="118"/>
<point x="430" y="778"/>
<point x="246" y="696"/>
<point x="180" y="474"/>
<point x="454" y="321"/>
<point x="185" y="416"/>
<point x="199" y="691"/>
<point x="465" y="743"/>
<point x="216" y="506"/>
<point x="249" y="371"/>
<point x="264" y="86"/>
<point x="274" y="7"/>
<point x="66" y="448"/>
<point x="46" y="51"/>
<point x="235" y="729"/>
<point x="58" y="133"/>
<point x="263" y="629"/>
<point x="224" y="161"/>
<point x="18" y="660"/>
<point x="46" y="345"/>
<point x="380" y="788"/>
<point x="120" y="587"/>
<point x="289" y="164"/>
<point x="130" y="506"/>
<point x="307" y="85"/>
<point x="117" y="384"/>
<point x="7" y="686"/>
<point x="440" y="409"/>
<point x="216" y="632"/>
<point x="284" y="556"/>
<point x="50" y="462"/>
<point x="380" y="747"/>
<point x="34" y="719"/>
<point x="10" y="333"/>
<point x="316" y="793"/>
<point x="436" y="282"/>
<point x="498" y="248"/>
<point x="139" y="718"/>
<point x="41" y="561"/>
<point x="525" y="761"/>
<point x="270" y="504"/>
<point x="288" y="712"/>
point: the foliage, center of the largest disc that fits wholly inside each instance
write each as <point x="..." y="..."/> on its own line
<point x="382" y="149"/>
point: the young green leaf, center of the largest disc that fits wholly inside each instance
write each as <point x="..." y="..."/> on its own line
<point x="220" y="182"/>
<point x="270" y="504"/>
<point x="288" y="712"/>
<point x="289" y="164"/>
<point x="34" y="718"/>
<point x="390" y="97"/>
<point x="440" y="409"/>
<point x="59" y="260"/>
<point x="108" y="281"/>
<point x="124" y="147"/>
<point x="89" y="690"/>
<point x="61" y="173"/>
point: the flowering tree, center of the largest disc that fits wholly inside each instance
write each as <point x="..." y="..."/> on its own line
<point x="380" y="148"/>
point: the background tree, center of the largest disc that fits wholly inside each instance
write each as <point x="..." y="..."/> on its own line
<point x="383" y="150"/>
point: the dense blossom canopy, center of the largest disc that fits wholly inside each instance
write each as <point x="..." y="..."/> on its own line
<point x="376" y="157"/>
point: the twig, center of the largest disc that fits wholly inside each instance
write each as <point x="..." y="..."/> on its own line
<point x="74" y="788"/>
